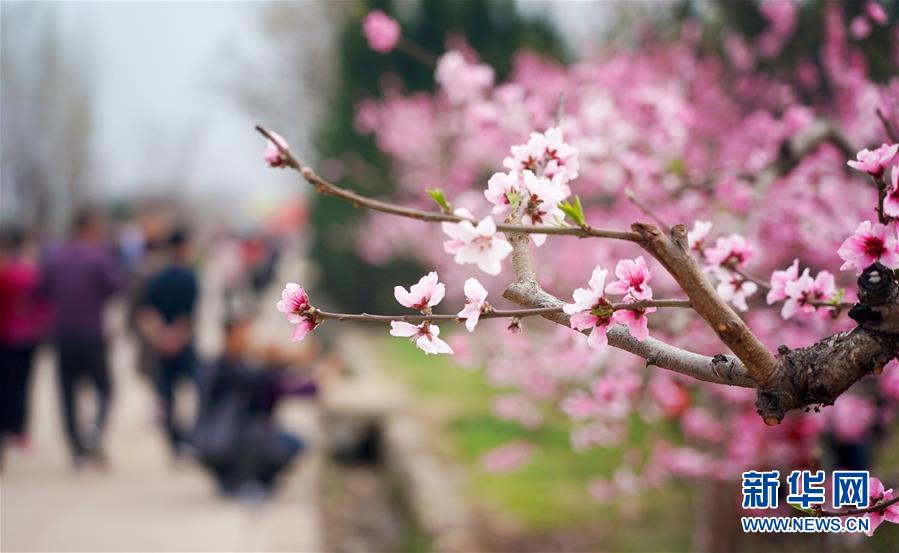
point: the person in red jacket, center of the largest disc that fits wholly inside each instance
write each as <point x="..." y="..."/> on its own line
<point x="23" y="322"/>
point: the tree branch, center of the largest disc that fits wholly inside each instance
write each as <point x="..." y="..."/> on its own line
<point x="795" y="379"/>
<point x="491" y="313"/>
<point x="766" y="286"/>
<point x="329" y="189"/>
<point x="793" y="150"/>
<point x="673" y="252"/>
<point x="820" y="373"/>
<point x="879" y="506"/>
<point x="721" y="369"/>
<point x="887" y="126"/>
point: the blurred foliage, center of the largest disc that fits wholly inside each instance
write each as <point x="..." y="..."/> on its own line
<point x="493" y="28"/>
<point x="806" y="40"/>
<point x="547" y="498"/>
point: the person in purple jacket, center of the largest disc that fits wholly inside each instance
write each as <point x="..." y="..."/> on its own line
<point x="80" y="276"/>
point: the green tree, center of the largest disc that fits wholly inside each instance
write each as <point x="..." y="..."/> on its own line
<point x="493" y="28"/>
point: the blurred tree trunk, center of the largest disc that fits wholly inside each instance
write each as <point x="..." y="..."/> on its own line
<point x="47" y="122"/>
<point x="716" y="519"/>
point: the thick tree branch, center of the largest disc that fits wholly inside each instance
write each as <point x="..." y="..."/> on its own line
<point x="526" y="291"/>
<point x="672" y="251"/>
<point x="820" y="373"/>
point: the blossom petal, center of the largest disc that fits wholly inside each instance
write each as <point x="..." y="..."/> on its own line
<point x="403" y="329"/>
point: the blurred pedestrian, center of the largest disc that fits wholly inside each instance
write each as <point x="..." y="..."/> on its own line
<point x="166" y="321"/>
<point x="152" y="261"/>
<point x="23" y="324"/>
<point x="236" y="436"/>
<point x="79" y="277"/>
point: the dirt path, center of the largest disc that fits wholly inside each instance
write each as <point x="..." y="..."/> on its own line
<point x="143" y="502"/>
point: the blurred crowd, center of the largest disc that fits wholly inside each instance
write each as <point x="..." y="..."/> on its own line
<point x="57" y="293"/>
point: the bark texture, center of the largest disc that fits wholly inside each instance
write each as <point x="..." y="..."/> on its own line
<point x="672" y="251"/>
<point x="816" y="375"/>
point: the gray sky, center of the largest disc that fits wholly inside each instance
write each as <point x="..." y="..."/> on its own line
<point x="165" y="110"/>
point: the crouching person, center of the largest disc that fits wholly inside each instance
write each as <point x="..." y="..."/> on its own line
<point x="236" y="437"/>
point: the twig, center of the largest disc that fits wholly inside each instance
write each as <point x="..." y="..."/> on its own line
<point x="720" y="369"/>
<point x="330" y="189"/>
<point x="794" y="150"/>
<point x="880" y="506"/>
<point x="491" y="313"/>
<point x="888" y="127"/>
<point x="764" y="285"/>
<point x="880" y="183"/>
<point x="646" y="210"/>
<point x="416" y="52"/>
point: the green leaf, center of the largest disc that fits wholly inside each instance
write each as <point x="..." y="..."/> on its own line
<point x="575" y="211"/>
<point x="808" y="511"/>
<point x="514" y="200"/>
<point x="678" y="167"/>
<point x="439" y="197"/>
<point x="838" y="297"/>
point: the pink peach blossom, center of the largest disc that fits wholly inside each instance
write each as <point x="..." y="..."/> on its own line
<point x="427" y="293"/>
<point x="735" y="289"/>
<point x="879" y="494"/>
<point x="779" y="280"/>
<point x="889" y="380"/>
<point x="699" y="423"/>
<point x="591" y="310"/>
<point x="851" y="417"/>
<point x="476" y="244"/>
<point x="541" y="204"/>
<point x="424" y="336"/>
<point x="633" y="279"/>
<point x="634" y="319"/>
<point x="860" y="27"/>
<point x="460" y="80"/>
<point x="874" y="162"/>
<point x="871" y="243"/>
<point x="802" y="291"/>
<point x="876" y="12"/>
<point x="508" y="457"/>
<point x="272" y="154"/>
<point x="729" y="250"/>
<point x="475" y="302"/>
<point x="295" y="304"/>
<point x="381" y="31"/>
<point x="697" y="236"/>
<point x="517" y="408"/>
<point x="546" y="155"/>
<point x="501" y="189"/>
<point x="891" y="202"/>
<point x="561" y="157"/>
